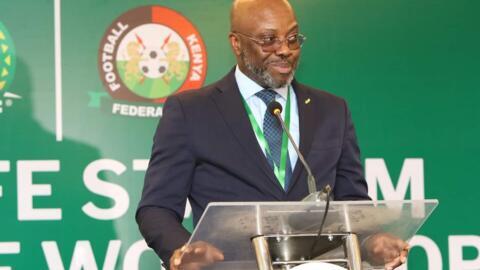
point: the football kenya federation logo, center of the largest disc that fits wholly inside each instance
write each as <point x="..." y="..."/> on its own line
<point x="7" y="70"/>
<point x="146" y="55"/>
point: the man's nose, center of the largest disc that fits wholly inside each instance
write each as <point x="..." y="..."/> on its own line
<point x="283" y="50"/>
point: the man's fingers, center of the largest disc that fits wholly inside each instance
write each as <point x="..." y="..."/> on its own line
<point x="199" y="250"/>
<point x="218" y="255"/>
<point x="188" y="249"/>
<point x="404" y="254"/>
<point x="400" y="259"/>
<point x="386" y="249"/>
<point x="195" y="256"/>
<point x="178" y="256"/>
<point x="214" y="254"/>
<point x="176" y="259"/>
<point x="393" y="264"/>
<point x="201" y="253"/>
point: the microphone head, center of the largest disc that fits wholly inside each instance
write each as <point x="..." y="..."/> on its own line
<point x="275" y="108"/>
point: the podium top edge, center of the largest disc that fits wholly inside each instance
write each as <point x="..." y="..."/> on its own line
<point x="293" y="203"/>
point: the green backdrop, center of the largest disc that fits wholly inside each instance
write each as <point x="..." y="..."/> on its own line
<point x="408" y="69"/>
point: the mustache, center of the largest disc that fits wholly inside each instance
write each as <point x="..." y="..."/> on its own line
<point x="280" y="61"/>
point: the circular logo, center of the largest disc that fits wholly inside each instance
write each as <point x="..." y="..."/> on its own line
<point x="149" y="53"/>
<point x="7" y="59"/>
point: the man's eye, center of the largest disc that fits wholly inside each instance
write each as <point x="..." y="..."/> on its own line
<point x="292" y="38"/>
<point x="269" y="40"/>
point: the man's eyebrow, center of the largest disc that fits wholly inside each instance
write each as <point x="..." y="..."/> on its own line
<point x="293" y="28"/>
<point x="273" y="30"/>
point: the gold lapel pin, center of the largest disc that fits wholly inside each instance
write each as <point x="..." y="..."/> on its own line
<point x="307" y="101"/>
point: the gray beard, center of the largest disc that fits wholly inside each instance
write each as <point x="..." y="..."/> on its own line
<point x="265" y="78"/>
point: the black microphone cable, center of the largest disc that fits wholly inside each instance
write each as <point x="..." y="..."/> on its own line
<point x="327" y="190"/>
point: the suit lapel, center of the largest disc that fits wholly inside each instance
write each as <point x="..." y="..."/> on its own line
<point x="229" y="102"/>
<point x="308" y="125"/>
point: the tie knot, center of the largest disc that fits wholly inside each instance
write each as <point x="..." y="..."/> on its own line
<point x="267" y="95"/>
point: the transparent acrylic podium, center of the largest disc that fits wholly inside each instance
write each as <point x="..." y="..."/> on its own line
<point x="280" y="235"/>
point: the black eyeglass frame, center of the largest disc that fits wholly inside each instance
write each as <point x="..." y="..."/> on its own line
<point x="276" y="42"/>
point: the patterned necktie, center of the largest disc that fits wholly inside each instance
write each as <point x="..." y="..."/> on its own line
<point x="272" y="130"/>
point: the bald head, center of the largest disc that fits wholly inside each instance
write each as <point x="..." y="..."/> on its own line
<point x="245" y="14"/>
<point x="264" y="36"/>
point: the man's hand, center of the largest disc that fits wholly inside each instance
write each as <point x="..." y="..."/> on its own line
<point x="386" y="249"/>
<point x="195" y="256"/>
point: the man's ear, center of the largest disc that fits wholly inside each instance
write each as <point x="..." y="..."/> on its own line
<point x="235" y="43"/>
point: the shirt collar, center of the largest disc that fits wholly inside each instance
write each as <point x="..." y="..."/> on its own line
<point x="249" y="87"/>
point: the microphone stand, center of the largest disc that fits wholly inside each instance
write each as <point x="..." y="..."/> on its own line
<point x="314" y="195"/>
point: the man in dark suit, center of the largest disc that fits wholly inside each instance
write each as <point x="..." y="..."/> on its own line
<point x="220" y="144"/>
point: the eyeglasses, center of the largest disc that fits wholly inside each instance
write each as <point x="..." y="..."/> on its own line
<point x="273" y="43"/>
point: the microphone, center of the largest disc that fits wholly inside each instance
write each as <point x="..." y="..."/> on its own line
<point x="276" y="109"/>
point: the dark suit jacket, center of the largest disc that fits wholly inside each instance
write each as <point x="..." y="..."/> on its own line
<point x="205" y="150"/>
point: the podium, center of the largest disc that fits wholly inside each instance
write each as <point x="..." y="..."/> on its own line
<point x="282" y="235"/>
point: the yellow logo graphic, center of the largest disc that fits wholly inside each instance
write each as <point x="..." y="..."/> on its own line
<point x="7" y="68"/>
